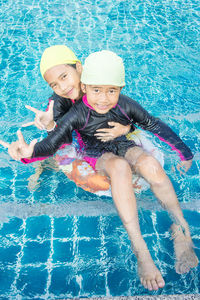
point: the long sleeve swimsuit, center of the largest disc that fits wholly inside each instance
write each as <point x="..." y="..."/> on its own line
<point x="86" y="120"/>
<point x="61" y="106"/>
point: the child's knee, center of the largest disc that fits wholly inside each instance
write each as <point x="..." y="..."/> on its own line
<point x="133" y="154"/>
<point x="119" y="166"/>
<point x="151" y="169"/>
<point x="112" y="165"/>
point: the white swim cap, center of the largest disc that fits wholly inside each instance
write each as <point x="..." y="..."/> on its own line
<point x="103" y="68"/>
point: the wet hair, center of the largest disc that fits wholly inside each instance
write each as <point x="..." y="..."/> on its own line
<point x="72" y="65"/>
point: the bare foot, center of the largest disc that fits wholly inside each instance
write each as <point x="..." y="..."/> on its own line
<point x="150" y="276"/>
<point x="185" y="255"/>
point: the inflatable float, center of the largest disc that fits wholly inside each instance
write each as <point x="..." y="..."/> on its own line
<point x="84" y="176"/>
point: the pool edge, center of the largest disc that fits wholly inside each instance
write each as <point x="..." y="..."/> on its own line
<point x="159" y="297"/>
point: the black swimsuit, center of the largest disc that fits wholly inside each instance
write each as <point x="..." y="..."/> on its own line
<point x="86" y="120"/>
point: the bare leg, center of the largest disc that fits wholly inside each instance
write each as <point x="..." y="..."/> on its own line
<point x="40" y="166"/>
<point x="185" y="255"/>
<point x="150" y="169"/>
<point x="120" y="175"/>
<point x="33" y="179"/>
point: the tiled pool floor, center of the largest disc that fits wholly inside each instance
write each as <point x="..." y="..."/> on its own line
<point x="45" y="257"/>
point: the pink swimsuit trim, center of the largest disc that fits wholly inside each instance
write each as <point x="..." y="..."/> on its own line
<point x="31" y="160"/>
<point x="173" y="147"/>
<point x="91" y="161"/>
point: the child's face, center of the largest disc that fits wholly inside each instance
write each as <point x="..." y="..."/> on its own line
<point x="103" y="97"/>
<point x="65" y="80"/>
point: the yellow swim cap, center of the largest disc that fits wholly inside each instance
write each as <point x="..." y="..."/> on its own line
<point x="56" y="55"/>
<point x="103" y="68"/>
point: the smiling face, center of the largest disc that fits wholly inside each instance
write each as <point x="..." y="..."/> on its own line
<point x="103" y="97"/>
<point x="65" y="80"/>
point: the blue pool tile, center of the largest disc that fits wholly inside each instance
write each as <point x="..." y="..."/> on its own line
<point x="6" y="279"/>
<point x="93" y="281"/>
<point x="35" y="252"/>
<point x="163" y="222"/>
<point x="63" y="281"/>
<point x="32" y="281"/>
<point x="65" y="187"/>
<point x="193" y="217"/>
<point x="6" y="173"/>
<point x="90" y="249"/>
<point x="38" y="227"/>
<point x="88" y="227"/>
<point x="63" y="251"/>
<point x="112" y="248"/>
<point x="63" y="227"/>
<point x="196" y="243"/>
<point x="145" y="220"/>
<point x="174" y="280"/>
<point x="119" y="281"/>
<point x="24" y="174"/>
<point x="112" y="225"/>
<point x="152" y="243"/>
<point x="12" y="227"/>
<point x="166" y="251"/>
<point x="8" y="255"/>
<point x="6" y="188"/>
<point x="43" y="193"/>
<point x="21" y="191"/>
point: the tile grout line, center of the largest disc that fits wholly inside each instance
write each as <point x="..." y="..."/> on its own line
<point x="18" y="263"/>
<point x="50" y="260"/>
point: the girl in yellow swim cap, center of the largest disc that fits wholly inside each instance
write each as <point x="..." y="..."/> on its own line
<point x="61" y="69"/>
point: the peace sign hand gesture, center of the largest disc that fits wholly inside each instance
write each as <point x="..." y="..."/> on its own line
<point x="19" y="149"/>
<point x="43" y="119"/>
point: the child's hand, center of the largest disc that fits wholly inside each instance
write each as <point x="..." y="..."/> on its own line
<point x="107" y="134"/>
<point x="184" y="166"/>
<point x="43" y="119"/>
<point x="19" y="149"/>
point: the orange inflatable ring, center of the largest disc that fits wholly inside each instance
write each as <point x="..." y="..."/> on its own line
<point x="79" y="171"/>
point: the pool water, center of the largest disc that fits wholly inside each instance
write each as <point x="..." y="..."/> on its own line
<point x="58" y="241"/>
